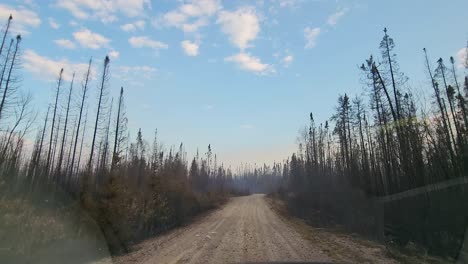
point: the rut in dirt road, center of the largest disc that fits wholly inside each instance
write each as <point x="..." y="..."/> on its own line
<point x="245" y="230"/>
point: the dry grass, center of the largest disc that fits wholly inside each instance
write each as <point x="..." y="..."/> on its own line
<point x="48" y="233"/>
<point x="351" y="248"/>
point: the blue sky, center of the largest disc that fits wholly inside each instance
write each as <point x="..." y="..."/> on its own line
<point x="240" y="75"/>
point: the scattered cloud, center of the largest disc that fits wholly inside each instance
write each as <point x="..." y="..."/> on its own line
<point x="53" y="24"/>
<point x="174" y="18"/>
<point x="335" y="17"/>
<point x="104" y="10"/>
<point x="462" y="56"/>
<point x="128" y="27"/>
<point x="89" y="39"/>
<point x="288" y="60"/>
<point x="48" y="69"/>
<point x="146" y="42"/>
<point x="276" y="6"/>
<point x="248" y="62"/>
<point x="113" y="54"/>
<point x="190" y="48"/>
<point x="74" y="7"/>
<point x="23" y="18"/>
<point x="193" y="27"/>
<point x="134" y="74"/>
<point x="146" y="70"/>
<point x="30" y="3"/>
<point x="288" y="3"/>
<point x="242" y="26"/>
<point x="311" y="35"/>
<point x="131" y="27"/>
<point x="199" y="8"/>
<point x="190" y="16"/>
<point x="65" y="43"/>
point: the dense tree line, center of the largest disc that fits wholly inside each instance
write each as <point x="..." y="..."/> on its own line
<point x="388" y="145"/>
<point x="384" y="145"/>
<point x="133" y="189"/>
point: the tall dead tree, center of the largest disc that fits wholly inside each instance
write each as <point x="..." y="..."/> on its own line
<point x="83" y="98"/>
<point x="49" y="153"/>
<point x="82" y="142"/>
<point x="56" y="142"/>
<point x="106" y="139"/>
<point x="104" y="77"/>
<point x="461" y="99"/>
<point x="59" y="165"/>
<point x="441" y="108"/>
<point x="5" y="33"/>
<point x="449" y="92"/>
<point x="37" y="156"/>
<point x="9" y="77"/>
<point x="5" y="64"/>
<point x="387" y="44"/>
<point x="119" y="127"/>
<point x="70" y="148"/>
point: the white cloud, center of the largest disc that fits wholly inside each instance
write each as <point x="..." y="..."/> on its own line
<point x="134" y="74"/>
<point x="105" y="10"/>
<point x="89" y="39"/>
<point x="462" y="56"/>
<point x="335" y="17"/>
<point x="193" y="27"/>
<point x="131" y="27"/>
<point x="248" y="62"/>
<point x="22" y="18"/>
<point x="65" y="43"/>
<point x="191" y="16"/>
<point x="242" y="26"/>
<point x="175" y="18"/>
<point x="200" y="8"/>
<point x="190" y="48"/>
<point x="53" y="24"/>
<point x="113" y="54"/>
<point x="128" y="27"/>
<point x="146" y="42"/>
<point x="144" y="68"/>
<point x="311" y="35"/>
<point x="288" y="60"/>
<point x="48" y="69"/>
<point x="140" y="24"/>
<point x="74" y="8"/>
<point x="288" y="3"/>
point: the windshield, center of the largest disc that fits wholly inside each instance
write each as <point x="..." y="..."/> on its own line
<point x="250" y="131"/>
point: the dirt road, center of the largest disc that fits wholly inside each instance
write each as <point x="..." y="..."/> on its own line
<point x="247" y="229"/>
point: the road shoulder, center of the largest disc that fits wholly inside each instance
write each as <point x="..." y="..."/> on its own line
<point x="145" y="249"/>
<point x="348" y="248"/>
